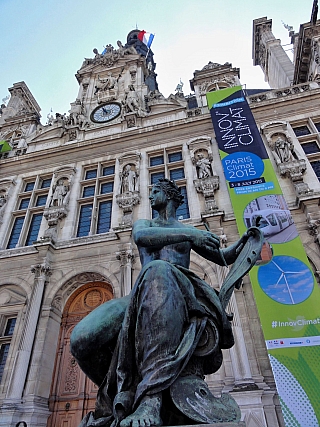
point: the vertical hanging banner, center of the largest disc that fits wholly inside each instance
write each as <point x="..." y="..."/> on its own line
<point x="286" y="293"/>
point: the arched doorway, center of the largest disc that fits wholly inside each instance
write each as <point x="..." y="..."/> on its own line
<point x="72" y="393"/>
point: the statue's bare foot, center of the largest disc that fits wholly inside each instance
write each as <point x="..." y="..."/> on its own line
<point x="147" y="414"/>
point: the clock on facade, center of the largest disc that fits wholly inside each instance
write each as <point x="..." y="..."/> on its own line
<point x="106" y="112"/>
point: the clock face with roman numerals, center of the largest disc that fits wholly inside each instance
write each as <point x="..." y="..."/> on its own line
<point x="106" y="112"/>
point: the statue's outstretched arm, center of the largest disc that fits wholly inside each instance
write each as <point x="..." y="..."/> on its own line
<point x="145" y="235"/>
<point x="212" y="252"/>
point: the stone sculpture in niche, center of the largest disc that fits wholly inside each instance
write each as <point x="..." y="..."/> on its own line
<point x="207" y="181"/>
<point x="128" y="195"/>
<point x="149" y="351"/>
<point x="59" y="196"/>
<point x="203" y="166"/>
<point x="289" y="162"/>
<point x="3" y="201"/>
<point x="128" y="180"/>
<point x="284" y="151"/>
<point x="57" y="208"/>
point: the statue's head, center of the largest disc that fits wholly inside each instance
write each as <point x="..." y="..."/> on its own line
<point x="171" y="190"/>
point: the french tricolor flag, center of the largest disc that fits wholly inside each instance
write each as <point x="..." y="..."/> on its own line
<point x="146" y="38"/>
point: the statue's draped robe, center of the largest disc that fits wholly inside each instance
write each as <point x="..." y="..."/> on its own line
<point x="164" y="320"/>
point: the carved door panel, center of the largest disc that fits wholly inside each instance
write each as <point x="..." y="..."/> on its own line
<point x="72" y="394"/>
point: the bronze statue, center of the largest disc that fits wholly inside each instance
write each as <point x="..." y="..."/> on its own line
<point x="146" y="351"/>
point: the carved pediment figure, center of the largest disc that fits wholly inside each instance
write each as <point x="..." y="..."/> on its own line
<point x="133" y="103"/>
<point x="123" y="50"/>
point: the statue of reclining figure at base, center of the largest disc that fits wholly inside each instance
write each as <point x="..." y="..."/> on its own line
<point x="170" y="328"/>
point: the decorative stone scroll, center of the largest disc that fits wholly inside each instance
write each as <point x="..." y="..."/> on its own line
<point x="286" y="157"/>
<point x="206" y="180"/>
<point x="129" y="192"/>
<point x="58" y="205"/>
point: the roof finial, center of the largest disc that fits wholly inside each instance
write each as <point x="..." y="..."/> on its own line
<point x="314" y="13"/>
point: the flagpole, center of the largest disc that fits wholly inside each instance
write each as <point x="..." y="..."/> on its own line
<point x="150" y="46"/>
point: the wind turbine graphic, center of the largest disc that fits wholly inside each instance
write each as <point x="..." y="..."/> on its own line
<point x="283" y="276"/>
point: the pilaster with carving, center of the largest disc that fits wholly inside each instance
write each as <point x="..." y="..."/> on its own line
<point x="129" y="192"/>
<point x="58" y="204"/>
<point x="206" y="180"/>
<point x="41" y="272"/>
<point x="126" y="258"/>
<point x="287" y="158"/>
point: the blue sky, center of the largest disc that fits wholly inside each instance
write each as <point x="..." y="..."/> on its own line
<point x="43" y="42"/>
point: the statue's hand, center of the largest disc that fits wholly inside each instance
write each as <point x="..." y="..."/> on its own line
<point x="206" y="240"/>
<point x="243" y="240"/>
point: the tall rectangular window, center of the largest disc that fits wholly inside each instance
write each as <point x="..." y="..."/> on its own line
<point x="34" y="228"/>
<point x="4" y="351"/>
<point x="95" y="202"/>
<point x="15" y="233"/>
<point x="183" y="210"/>
<point x="84" y="220"/>
<point x="104" y="217"/>
<point x="11" y="323"/>
<point x="6" y="335"/>
<point x="28" y="214"/>
<point x="316" y="167"/>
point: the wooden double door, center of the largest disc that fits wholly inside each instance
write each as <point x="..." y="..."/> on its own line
<point x="72" y="393"/>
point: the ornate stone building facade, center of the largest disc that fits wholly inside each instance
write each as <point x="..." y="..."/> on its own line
<point x="71" y="189"/>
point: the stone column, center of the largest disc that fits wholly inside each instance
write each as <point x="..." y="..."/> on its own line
<point x="238" y="353"/>
<point x="23" y="356"/>
<point x="126" y="258"/>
